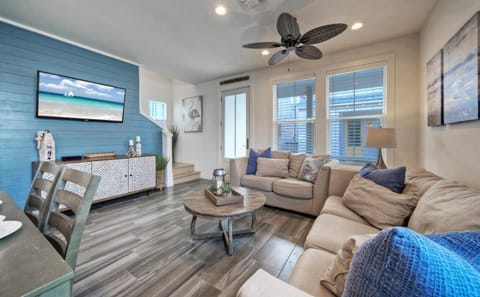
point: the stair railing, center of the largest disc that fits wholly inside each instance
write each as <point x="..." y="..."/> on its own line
<point x="166" y="149"/>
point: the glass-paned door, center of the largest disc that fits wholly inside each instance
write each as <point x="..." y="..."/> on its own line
<point x="235" y="106"/>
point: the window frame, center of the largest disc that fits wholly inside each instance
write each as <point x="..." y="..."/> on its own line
<point x="165" y="110"/>
<point x="388" y="85"/>
<point x="276" y="122"/>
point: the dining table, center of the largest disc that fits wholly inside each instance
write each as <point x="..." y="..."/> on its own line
<point x="29" y="264"/>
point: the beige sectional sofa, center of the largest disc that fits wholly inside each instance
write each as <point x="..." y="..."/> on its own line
<point x="336" y="223"/>
<point x="288" y="193"/>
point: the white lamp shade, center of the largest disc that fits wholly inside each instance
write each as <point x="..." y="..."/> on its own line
<point x="381" y="137"/>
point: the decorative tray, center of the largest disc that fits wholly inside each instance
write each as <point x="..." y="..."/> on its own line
<point x="100" y="155"/>
<point x="220" y="200"/>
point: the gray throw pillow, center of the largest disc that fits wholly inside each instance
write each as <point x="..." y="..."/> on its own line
<point x="310" y="168"/>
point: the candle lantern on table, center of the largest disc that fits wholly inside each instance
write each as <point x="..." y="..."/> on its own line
<point x="131" y="151"/>
<point x="218" y="181"/>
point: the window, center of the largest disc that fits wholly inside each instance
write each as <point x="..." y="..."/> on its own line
<point x="356" y="101"/>
<point x="158" y="110"/>
<point x="294" y="116"/>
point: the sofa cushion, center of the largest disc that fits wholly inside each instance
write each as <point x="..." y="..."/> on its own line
<point x="296" y="161"/>
<point x="334" y="205"/>
<point x="399" y="262"/>
<point x="422" y="178"/>
<point x="310" y="168"/>
<point x="280" y="154"/>
<point x="272" y="167"/>
<point x="447" y="206"/>
<point x="294" y="188"/>
<point x="310" y="267"/>
<point x="258" y="182"/>
<point x="329" y="232"/>
<point x="336" y="275"/>
<point x="393" y="179"/>
<point x="263" y="284"/>
<point x="378" y="205"/>
<point x="252" y="159"/>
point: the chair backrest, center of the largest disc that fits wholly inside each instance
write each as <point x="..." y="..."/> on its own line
<point x="40" y="193"/>
<point x="75" y="189"/>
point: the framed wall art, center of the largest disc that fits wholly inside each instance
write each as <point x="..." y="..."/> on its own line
<point x="192" y="114"/>
<point x="461" y="74"/>
<point x="435" y="90"/>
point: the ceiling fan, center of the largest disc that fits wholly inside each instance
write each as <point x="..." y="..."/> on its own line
<point x="292" y="40"/>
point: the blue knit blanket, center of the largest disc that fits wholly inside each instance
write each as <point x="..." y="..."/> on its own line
<point x="401" y="263"/>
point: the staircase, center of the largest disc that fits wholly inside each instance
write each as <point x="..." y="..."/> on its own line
<point x="183" y="172"/>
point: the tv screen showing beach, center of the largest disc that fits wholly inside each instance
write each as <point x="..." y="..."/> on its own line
<point x="70" y="98"/>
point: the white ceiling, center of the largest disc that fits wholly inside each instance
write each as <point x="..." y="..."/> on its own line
<point x="186" y="40"/>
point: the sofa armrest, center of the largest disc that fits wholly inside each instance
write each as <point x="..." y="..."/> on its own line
<point x="263" y="284"/>
<point x="238" y="168"/>
<point x="320" y="188"/>
<point x="339" y="179"/>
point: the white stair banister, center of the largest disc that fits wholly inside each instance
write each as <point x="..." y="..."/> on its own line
<point x="166" y="149"/>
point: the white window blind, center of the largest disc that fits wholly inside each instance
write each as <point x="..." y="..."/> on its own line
<point x="355" y="102"/>
<point x="295" y="116"/>
<point x="158" y="110"/>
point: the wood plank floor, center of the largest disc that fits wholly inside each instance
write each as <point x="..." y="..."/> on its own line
<point x="142" y="247"/>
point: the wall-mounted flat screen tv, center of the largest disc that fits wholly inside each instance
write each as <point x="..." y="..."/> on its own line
<point x="64" y="97"/>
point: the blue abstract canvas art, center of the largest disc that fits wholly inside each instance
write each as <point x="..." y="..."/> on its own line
<point x="461" y="74"/>
<point x="434" y="90"/>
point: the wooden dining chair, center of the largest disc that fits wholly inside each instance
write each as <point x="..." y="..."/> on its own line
<point x="75" y="189"/>
<point x="40" y="193"/>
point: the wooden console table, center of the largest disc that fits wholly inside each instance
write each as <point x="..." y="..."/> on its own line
<point x="121" y="176"/>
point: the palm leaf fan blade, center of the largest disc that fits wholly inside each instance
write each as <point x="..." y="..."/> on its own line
<point x="308" y="52"/>
<point x="322" y="33"/>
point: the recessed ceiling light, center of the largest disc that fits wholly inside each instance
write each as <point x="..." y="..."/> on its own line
<point x="357" y="26"/>
<point x="220" y="10"/>
<point x="265" y="52"/>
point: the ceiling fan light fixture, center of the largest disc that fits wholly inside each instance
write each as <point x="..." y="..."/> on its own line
<point x="265" y="53"/>
<point x="293" y="41"/>
<point x="357" y="26"/>
<point x="220" y="10"/>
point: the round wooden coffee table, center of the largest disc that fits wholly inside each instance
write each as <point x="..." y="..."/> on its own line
<point x="200" y="206"/>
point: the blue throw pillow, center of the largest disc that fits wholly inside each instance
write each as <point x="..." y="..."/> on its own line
<point x="393" y="179"/>
<point x="252" y="159"/>
<point x="399" y="262"/>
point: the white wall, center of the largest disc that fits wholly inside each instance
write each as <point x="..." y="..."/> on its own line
<point x="450" y="151"/>
<point x="401" y="55"/>
<point x="199" y="148"/>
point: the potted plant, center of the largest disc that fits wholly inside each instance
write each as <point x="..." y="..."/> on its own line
<point x="227" y="190"/>
<point x="161" y="164"/>
<point x="175" y="132"/>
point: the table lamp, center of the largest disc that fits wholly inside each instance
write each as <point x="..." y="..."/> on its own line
<point x="381" y="138"/>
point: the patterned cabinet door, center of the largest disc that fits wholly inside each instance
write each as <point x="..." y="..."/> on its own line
<point x="141" y="173"/>
<point x="114" y="174"/>
<point x="82" y="166"/>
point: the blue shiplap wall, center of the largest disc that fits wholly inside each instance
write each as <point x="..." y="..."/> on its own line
<point x="22" y="53"/>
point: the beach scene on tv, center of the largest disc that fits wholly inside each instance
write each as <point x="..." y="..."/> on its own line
<point x="65" y="97"/>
